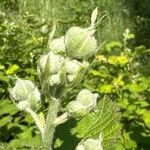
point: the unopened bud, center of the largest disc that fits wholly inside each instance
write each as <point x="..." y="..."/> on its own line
<point x="55" y="79"/>
<point x="52" y="61"/>
<point x="80" y="43"/>
<point x="87" y="98"/>
<point x="58" y="46"/>
<point x="84" y="103"/>
<point x="25" y="93"/>
<point x="90" y="144"/>
<point x="72" y="66"/>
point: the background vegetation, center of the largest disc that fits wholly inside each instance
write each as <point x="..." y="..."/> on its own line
<point x="121" y="71"/>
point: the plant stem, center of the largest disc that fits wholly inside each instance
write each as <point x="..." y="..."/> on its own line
<point x="36" y="119"/>
<point x="50" y="126"/>
<point x="62" y="119"/>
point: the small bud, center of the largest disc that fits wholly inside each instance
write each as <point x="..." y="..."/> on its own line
<point x="76" y="109"/>
<point x="55" y="80"/>
<point x="25" y="94"/>
<point x="53" y="61"/>
<point x="71" y="78"/>
<point x="80" y="43"/>
<point x="84" y="103"/>
<point x="72" y="66"/>
<point x="87" y="98"/>
<point x="58" y="46"/>
<point x="90" y="144"/>
<point x="79" y="70"/>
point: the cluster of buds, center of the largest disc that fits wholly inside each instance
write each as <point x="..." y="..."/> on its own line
<point x="63" y="67"/>
<point x="68" y="59"/>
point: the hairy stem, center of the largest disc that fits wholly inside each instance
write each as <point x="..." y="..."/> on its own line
<point x="62" y="119"/>
<point x="50" y="126"/>
<point x="36" y="119"/>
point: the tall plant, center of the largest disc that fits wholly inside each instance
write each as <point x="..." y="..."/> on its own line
<point x="61" y="70"/>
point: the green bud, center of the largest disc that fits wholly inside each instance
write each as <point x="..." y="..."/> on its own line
<point x="90" y="144"/>
<point x="78" y="74"/>
<point x="77" y="109"/>
<point x="25" y="94"/>
<point x="72" y="66"/>
<point x="83" y="104"/>
<point x="55" y="80"/>
<point x="58" y="46"/>
<point x="53" y="61"/>
<point x="80" y="43"/>
<point x="71" y="77"/>
<point x="87" y="98"/>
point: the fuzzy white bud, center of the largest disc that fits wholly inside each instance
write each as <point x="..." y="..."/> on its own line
<point x="25" y="93"/>
<point x="53" y="61"/>
<point x="58" y="45"/>
<point x="55" y="79"/>
<point x="80" y="43"/>
<point x="72" y="66"/>
<point x="90" y="144"/>
<point x="83" y="104"/>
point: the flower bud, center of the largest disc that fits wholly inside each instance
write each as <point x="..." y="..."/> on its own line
<point x="52" y="61"/>
<point x="80" y="43"/>
<point x="72" y="66"/>
<point x="87" y="98"/>
<point x="71" y="78"/>
<point x="79" y="70"/>
<point x="58" y="45"/>
<point x="90" y="144"/>
<point x="25" y="94"/>
<point x="55" y="80"/>
<point x="84" y="103"/>
<point x="77" y="109"/>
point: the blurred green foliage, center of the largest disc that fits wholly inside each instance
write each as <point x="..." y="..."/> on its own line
<point x="121" y="70"/>
<point x="121" y="73"/>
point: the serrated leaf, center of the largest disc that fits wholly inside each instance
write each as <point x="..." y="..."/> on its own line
<point x="105" y="120"/>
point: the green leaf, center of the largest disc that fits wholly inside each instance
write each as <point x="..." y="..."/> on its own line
<point x="33" y="143"/>
<point x="112" y="45"/>
<point x="5" y="120"/>
<point x="104" y="120"/>
<point x="12" y="69"/>
<point x="106" y="88"/>
<point x="7" y="107"/>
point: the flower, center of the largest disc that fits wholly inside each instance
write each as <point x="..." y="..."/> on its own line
<point x="25" y="94"/>
<point x="83" y="104"/>
<point x="50" y="61"/>
<point x="72" y="66"/>
<point x="55" y="79"/>
<point x="57" y="46"/>
<point x="87" y="98"/>
<point x="80" y="43"/>
<point x="90" y="144"/>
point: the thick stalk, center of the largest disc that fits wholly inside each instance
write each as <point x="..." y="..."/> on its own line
<point x="50" y="126"/>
